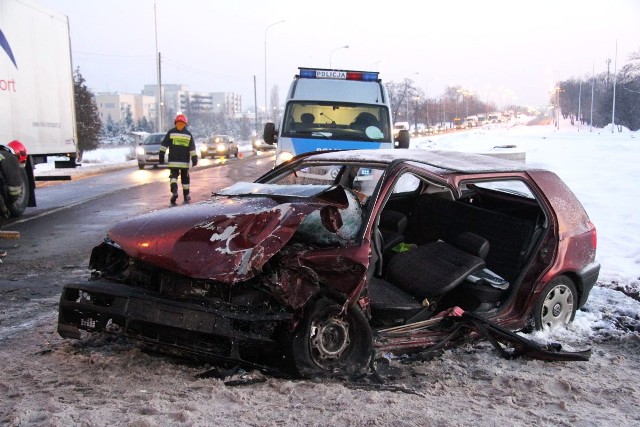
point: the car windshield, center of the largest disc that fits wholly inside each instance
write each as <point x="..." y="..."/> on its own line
<point x="153" y="139"/>
<point x="358" y="122"/>
<point x="362" y="179"/>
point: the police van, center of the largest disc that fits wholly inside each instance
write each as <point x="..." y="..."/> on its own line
<point x="331" y="110"/>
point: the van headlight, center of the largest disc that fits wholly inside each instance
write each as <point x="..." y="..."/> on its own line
<point x="203" y="148"/>
<point x="140" y="151"/>
<point x="221" y="147"/>
<point x="285" y="156"/>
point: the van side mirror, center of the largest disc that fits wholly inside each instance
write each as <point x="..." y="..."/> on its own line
<point x="269" y="134"/>
<point x="402" y="139"/>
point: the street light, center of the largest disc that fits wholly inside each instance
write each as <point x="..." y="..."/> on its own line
<point x="266" y="109"/>
<point x="338" y="48"/>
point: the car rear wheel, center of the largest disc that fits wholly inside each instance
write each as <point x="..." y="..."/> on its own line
<point x="557" y="305"/>
<point x="329" y="342"/>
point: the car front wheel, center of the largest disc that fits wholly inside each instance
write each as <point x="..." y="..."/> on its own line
<point x="557" y="305"/>
<point x="329" y="342"/>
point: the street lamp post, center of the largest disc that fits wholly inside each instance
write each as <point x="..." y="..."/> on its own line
<point x="338" y="48"/>
<point x="266" y="109"/>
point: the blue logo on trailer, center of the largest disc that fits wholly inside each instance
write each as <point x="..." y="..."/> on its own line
<point x="5" y="45"/>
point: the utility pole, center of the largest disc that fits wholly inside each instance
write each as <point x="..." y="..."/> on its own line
<point x="593" y="82"/>
<point x="615" y="79"/>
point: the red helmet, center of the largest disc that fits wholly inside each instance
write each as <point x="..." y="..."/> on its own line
<point x="19" y="150"/>
<point x="181" y="118"/>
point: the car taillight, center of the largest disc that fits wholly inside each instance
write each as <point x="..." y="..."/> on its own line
<point x="594" y="235"/>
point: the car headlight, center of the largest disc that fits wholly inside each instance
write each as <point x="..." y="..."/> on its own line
<point x="140" y="151"/>
<point x="221" y="147"/>
<point x="203" y="148"/>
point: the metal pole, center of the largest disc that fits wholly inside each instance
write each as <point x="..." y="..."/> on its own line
<point x="615" y="79"/>
<point x="266" y="110"/>
<point x="579" y="103"/>
<point x="158" y="88"/>
<point x="255" y="102"/>
<point x="338" y="48"/>
<point x="593" y="82"/>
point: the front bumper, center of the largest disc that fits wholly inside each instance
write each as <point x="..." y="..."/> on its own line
<point x="215" y="328"/>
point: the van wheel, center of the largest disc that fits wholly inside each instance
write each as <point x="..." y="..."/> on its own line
<point x="331" y="343"/>
<point x="141" y="166"/>
<point x="17" y="207"/>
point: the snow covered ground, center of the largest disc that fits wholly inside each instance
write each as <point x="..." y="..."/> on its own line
<point x="99" y="381"/>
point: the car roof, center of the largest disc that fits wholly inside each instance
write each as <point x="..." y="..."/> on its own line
<point x="445" y="161"/>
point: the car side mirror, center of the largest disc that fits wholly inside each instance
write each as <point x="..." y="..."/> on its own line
<point x="331" y="218"/>
<point x="269" y="135"/>
<point x="402" y="139"/>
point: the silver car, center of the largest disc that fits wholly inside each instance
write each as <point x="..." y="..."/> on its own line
<point x="147" y="151"/>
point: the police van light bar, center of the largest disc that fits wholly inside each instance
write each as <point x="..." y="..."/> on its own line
<point x="321" y="73"/>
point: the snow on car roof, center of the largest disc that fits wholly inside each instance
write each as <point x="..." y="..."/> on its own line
<point x="447" y="160"/>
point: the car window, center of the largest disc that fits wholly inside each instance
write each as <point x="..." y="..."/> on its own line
<point x="407" y="183"/>
<point x="514" y="187"/>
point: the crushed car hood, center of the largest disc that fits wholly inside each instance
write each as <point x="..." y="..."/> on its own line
<point x="227" y="238"/>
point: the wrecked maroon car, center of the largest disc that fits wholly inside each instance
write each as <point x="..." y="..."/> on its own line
<point x="332" y="257"/>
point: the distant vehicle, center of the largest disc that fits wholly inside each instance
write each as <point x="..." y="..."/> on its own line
<point x="398" y="126"/>
<point x="320" y="275"/>
<point x="331" y="110"/>
<point x="494" y="118"/>
<point x="148" y="150"/>
<point x="259" y="146"/>
<point x="36" y="88"/>
<point x="459" y="123"/>
<point x="472" y="121"/>
<point x="482" y="119"/>
<point x="219" y="146"/>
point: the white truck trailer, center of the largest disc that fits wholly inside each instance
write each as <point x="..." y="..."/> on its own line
<point x="36" y="87"/>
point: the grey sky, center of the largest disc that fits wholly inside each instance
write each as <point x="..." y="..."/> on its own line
<point x="503" y="51"/>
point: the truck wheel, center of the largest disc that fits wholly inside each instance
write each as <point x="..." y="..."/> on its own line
<point x="329" y="342"/>
<point x="17" y="208"/>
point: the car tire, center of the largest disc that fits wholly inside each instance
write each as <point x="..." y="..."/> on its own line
<point x="141" y="166"/>
<point x="331" y="343"/>
<point x="18" y="206"/>
<point x="557" y="304"/>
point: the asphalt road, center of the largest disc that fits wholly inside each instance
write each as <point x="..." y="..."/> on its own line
<point x="72" y="217"/>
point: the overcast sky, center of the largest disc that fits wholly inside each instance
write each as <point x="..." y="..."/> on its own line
<point x="503" y="51"/>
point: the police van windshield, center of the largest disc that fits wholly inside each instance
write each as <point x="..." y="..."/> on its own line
<point x="322" y="120"/>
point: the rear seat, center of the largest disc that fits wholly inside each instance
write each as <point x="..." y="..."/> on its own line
<point x="435" y="218"/>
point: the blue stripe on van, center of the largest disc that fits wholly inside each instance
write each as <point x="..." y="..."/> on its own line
<point x="305" y="145"/>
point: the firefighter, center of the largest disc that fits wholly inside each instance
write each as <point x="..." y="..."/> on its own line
<point x="10" y="178"/>
<point x="10" y="175"/>
<point x="181" y="146"/>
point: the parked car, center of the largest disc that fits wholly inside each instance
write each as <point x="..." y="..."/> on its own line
<point x="219" y="146"/>
<point x="314" y="272"/>
<point x="147" y="151"/>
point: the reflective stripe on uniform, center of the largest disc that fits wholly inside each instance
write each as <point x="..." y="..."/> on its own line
<point x="180" y="139"/>
<point x="163" y="149"/>
<point x="14" y="191"/>
<point x="180" y="165"/>
<point x="193" y="153"/>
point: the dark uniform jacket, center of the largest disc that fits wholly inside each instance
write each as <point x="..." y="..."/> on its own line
<point x="10" y="174"/>
<point x="181" y="148"/>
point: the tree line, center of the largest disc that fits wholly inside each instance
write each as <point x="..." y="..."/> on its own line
<point x="574" y="97"/>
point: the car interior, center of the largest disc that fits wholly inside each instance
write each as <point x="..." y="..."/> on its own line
<point x="436" y="252"/>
